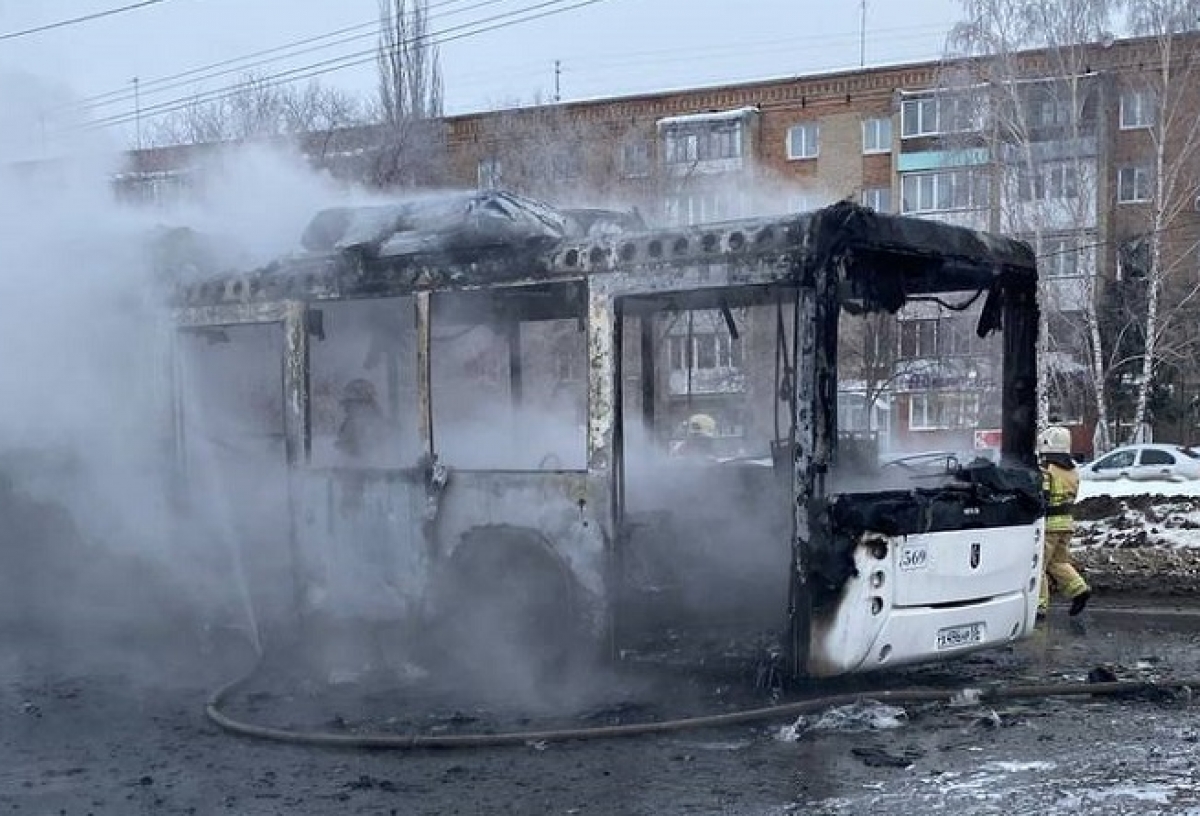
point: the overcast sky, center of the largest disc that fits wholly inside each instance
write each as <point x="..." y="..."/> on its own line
<point x="610" y="47"/>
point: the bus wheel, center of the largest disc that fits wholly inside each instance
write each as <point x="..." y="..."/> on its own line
<point x="505" y="611"/>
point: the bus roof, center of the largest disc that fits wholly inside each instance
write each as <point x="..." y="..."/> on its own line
<point x="486" y="240"/>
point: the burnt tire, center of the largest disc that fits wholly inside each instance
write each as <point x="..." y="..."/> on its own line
<point x="505" y="611"/>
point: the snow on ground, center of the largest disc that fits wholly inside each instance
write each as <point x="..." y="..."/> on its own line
<point x="1129" y="487"/>
<point x="1140" y="538"/>
<point x="1138" y="514"/>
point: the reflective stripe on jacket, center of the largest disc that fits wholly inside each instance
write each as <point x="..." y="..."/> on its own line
<point x="1060" y="486"/>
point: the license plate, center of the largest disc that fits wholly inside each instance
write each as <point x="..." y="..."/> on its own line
<point x="954" y="637"/>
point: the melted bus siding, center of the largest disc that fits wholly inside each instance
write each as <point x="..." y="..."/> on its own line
<point x="459" y="524"/>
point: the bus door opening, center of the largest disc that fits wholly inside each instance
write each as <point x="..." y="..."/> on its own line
<point x="705" y="477"/>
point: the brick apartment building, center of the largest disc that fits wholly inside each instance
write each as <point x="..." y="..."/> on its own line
<point x="1076" y="179"/>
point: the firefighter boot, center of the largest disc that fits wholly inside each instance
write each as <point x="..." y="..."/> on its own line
<point x="1079" y="602"/>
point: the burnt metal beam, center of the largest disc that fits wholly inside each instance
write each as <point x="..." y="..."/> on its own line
<point x="297" y="402"/>
<point x="230" y="314"/>
<point x="804" y="482"/>
<point x="815" y="440"/>
<point x="423" y="312"/>
<point x="649" y="371"/>
<point x="601" y="347"/>
<point x="1020" y="324"/>
<point x="516" y="383"/>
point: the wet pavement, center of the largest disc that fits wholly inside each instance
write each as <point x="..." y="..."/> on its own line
<point x="110" y="742"/>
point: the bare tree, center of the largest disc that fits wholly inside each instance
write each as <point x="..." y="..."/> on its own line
<point x="258" y="108"/>
<point x="868" y="366"/>
<point x="1163" y="89"/>
<point x="1042" y="115"/>
<point x="410" y="73"/>
<point x="409" y="104"/>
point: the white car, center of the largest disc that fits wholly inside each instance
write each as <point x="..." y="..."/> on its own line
<point x="1145" y="463"/>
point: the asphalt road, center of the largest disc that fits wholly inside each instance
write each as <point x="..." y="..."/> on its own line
<point x="119" y="736"/>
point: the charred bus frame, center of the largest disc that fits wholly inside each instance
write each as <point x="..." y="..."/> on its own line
<point x="840" y="258"/>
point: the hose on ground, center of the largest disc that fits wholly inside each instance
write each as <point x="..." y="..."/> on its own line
<point x="774" y="712"/>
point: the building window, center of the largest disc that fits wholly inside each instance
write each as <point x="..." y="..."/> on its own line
<point x="945" y="190"/>
<point x="918" y="338"/>
<point x="1060" y="257"/>
<point x="635" y="159"/>
<point x="711" y="143"/>
<point x="702" y="208"/>
<point x="803" y="202"/>
<point x="852" y="412"/>
<point x="918" y="117"/>
<point x="1133" y="184"/>
<point x="489" y="173"/>
<point x="1137" y="109"/>
<point x="1051" y="112"/>
<point x="933" y="115"/>
<point x="1062" y="181"/>
<point x="711" y="350"/>
<point x="566" y="164"/>
<point x="941" y="411"/>
<point x="877" y="135"/>
<point x="923" y="412"/>
<point x="1048" y="182"/>
<point x="878" y="199"/>
<point x="803" y="141"/>
<point x="956" y="338"/>
<point x="682" y="148"/>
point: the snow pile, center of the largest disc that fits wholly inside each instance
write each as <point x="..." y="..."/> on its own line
<point x="1090" y="488"/>
<point x="1138" y="521"/>
<point x="1143" y="545"/>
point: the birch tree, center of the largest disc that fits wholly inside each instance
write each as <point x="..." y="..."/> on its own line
<point x="1041" y="132"/>
<point x="1160" y="95"/>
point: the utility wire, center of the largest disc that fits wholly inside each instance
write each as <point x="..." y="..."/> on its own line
<point x="210" y="71"/>
<point x="1115" y="241"/>
<point x="330" y="64"/>
<point x="499" y="21"/>
<point x="594" y="67"/>
<point x="12" y="35"/>
<point x="201" y="73"/>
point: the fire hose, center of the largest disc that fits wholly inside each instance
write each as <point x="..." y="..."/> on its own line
<point x="773" y="712"/>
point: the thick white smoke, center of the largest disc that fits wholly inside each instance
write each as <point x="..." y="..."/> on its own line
<point x="98" y="545"/>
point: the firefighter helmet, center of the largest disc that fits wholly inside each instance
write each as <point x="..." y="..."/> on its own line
<point x="358" y="391"/>
<point x="1055" y="439"/>
<point x="701" y="425"/>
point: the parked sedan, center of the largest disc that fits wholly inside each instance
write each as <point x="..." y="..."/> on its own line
<point x="1146" y="463"/>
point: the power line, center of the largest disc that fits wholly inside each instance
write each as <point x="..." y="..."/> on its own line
<point x="12" y="35"/>
<point x="170" y="82"/>
<point x="202" y="72"/>
<point x="754" y="46"/>
<point x="1114" y="241"/>
<point x="547" y="8"/>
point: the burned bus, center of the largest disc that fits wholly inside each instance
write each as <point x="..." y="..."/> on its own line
<point x="462" y="428"/>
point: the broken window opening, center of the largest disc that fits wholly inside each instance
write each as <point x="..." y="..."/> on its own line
<point x="363" y="385"/>
<point x="232" y="441"/>
<point x="509" y="390"/>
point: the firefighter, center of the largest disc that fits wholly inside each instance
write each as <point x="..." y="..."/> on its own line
<point x="363" y="428"/>
<point x="1060" y="483"/>
<point x="700" y="441"/>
